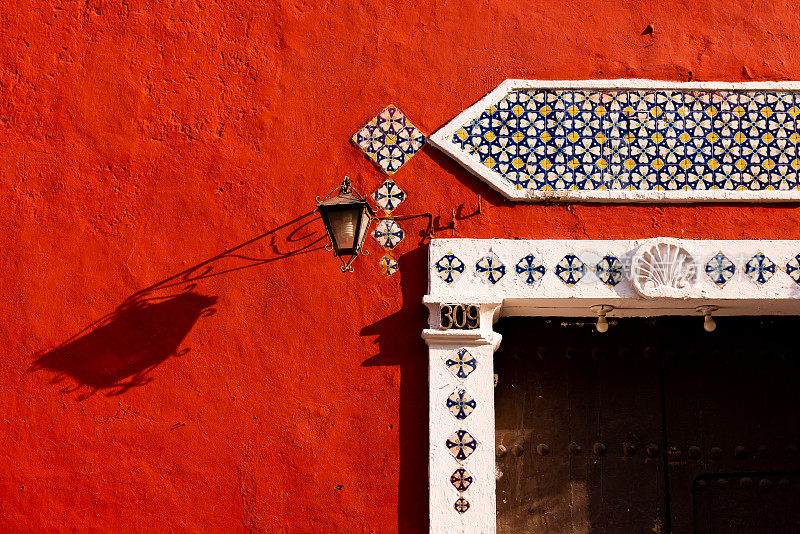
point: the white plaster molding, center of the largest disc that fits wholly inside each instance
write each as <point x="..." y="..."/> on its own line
<point x="551" y="296"/>
<point x="511" y="295"/>
<point x="444" y="344"/>
<point x="443" y="140"/>
<point x="664" y="268"/>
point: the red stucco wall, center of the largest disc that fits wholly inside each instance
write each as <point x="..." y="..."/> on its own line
<point x="140" y="141"/>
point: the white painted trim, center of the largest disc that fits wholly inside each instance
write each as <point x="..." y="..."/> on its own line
<point x="551" y="297"/>
<point x="442" y="139"/>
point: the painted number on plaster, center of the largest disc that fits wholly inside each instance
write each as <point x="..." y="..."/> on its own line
<point x="460" y="317"/>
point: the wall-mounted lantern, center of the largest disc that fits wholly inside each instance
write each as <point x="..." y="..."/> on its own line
<point x="346" y="217"/>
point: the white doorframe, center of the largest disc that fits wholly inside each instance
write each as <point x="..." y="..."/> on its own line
<point x="639" y="278"/>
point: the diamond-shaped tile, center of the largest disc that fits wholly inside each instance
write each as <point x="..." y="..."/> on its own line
<point x="461" y="404"/>
<point x="461" y="505"/>
<point x="760" y="269"/>
<point x="793" y="268"/>
<point x="461" y="445"/>
<point x="461" y="480"/>
<point x="449" y="267"/>
<point x="530" y="269"/>
<point x="389" y="196"/>
<point x="570" y="269"/>
<point x="462" y="364"/>
<point x="389" y="139"/>
<point x="720" y="269"/>
<point x="387" y="265"/>
<point x="609" y="270"/>
<point x="491" y="268"/>
<point x="388" y="233"/>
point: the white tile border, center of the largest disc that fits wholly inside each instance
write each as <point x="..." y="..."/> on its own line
<point x="551" y="297"/>
<point x="442" y="139"/>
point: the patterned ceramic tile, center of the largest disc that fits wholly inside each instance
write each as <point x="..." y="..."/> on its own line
<point x="641" y="140"/>
<point x="461" y="404"/>
<point x="609" y="270"/>
<point x="461" y="445"/>
<point x="530" y="269"/>
<point x="793" y="268"/>
<point x="462" y="364"/>
<point x="389" y="196"/>
<point x="388" y="233"/>
<point x="570" y="269"/>
<point x="387" y="265"/>
<point x="461" y="505"/>
<point x="389" y="139"/>
<point x="449" y="268"/>
<point x="760" y="269"/>
<point x="461" y="480"/>
<point x="491" y="268"/>
<point x="720" y="269"/>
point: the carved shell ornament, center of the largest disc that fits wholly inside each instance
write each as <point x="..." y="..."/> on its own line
<point x="665" y="268"/>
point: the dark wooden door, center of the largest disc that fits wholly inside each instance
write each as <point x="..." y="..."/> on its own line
<point x="655" y="426"/>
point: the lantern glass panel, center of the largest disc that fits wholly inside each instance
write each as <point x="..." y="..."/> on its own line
<point x="364" y="228"/>
<point x="343" y="228"/>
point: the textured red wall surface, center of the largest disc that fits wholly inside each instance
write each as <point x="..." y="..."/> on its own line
<point x="179" y="353"/>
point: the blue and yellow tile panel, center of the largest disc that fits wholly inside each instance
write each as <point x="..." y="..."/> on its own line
<point x="666" y="140"/>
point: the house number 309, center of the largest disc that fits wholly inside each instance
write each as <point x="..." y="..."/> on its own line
<point x="460" y="317"/>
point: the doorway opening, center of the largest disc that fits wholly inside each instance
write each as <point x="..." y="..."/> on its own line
<point x="653" y="426"/>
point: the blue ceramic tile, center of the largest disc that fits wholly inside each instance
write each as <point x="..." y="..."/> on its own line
<point x="449" y="268"/>
<point x="387" y="265"/>
<point x="388" y="233"/>
<point x="461" y="445"/>
<point x="490" y="268"/>
<point x="720" y="269"/>
<point x="461" y="404"/>
<point x="760" y="269"/>
<point x="793" y="269"/>
<point x="609" y="270"/>
<point x="462" y="364"/>
<point x="461" y="480"/>
<point x="570" y="269"/>
<point x="530" y="269"/>
<point x="389" y="140"/>
<point x="640" y="140"/>
<point x="461" y="505"/>
<point x="389" y="196"/>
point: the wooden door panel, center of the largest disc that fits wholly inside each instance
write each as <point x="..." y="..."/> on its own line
<point x="562" y="384"/>
<point x="733" y="397"/>
<point x="719" y="412"/>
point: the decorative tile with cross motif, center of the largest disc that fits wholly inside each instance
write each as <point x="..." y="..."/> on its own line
<point x="609" y="270"/>
<point x="720" y="269"/>
<point x="389" y="140"/>
<point x="460" y="479"/>
<point x="530" y="269"/>
<point x="793" y="268"/>
<point x="388" y="234"/>
<point x="760" y="269"/>
<point x="461" y="505"/>
<point x="461" y="364"/>
<point x="490" y="268"/>
<point x="449" y="268"/>
<point x="461" y="404"/>
<point x="461" y="445"/>
<point x="387" y="265"/>
<point x="570" y="269"/>
<point x="389" y="196"/>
